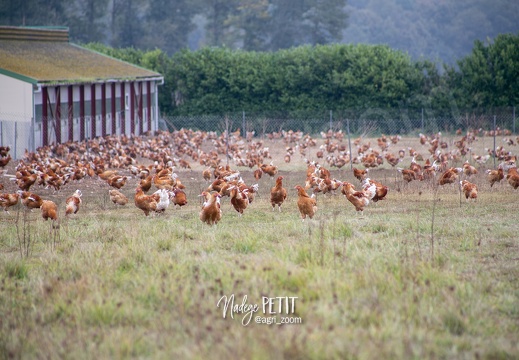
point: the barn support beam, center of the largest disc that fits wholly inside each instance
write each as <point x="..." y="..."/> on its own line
<point x="81" y="112"/>
<point x="93" y="111"/>
<point x="156" y="104"/>
<point x="44" y="115"/>
<point x="103" y="109"/>
<point x="132" y="108"/>
<point x="70" y="112"/>
<point x="113" y="112"/>
<point x="141" y="120"/>
<point x="57" y="114"/>
<point x="123" y="109"/>
<point x="148" y="103"/>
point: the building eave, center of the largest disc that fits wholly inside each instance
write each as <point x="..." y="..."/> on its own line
<point x="18" y="76"/>
<point x="84" y="81"/>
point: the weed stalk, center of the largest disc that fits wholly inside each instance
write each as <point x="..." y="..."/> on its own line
<point x="24" y="236"/>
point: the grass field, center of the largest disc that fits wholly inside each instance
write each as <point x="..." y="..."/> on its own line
<point x="422" y="274"/>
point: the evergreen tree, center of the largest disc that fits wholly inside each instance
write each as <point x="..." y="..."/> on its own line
<point x="86" y="20"/>
<point x="251" y="22"/>
<point x="168" y="24"/>
<point x="128" y="27"/>
<point x="324" y="21"/>
<point x="286" y="23"/>
<point x="33" y="12"/>
<point x="218" y="13"/>
<point x="488" y="76"/>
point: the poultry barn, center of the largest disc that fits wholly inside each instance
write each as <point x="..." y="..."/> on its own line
<point x="53" y="91"/>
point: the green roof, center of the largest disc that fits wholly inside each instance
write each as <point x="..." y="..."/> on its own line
<point x="44" y="56"/>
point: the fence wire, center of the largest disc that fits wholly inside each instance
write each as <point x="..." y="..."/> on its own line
<point x="372" y="122"/>
<point x="21" y="133"/>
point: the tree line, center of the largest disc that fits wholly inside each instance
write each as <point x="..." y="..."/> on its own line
<point x="432" y="29"/>
<point x="435" y="30"/>
<point x="218" y="80"/>
<point x="172" y="25"/>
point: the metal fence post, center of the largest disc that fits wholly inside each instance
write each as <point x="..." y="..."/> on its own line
<point x="1" y="134"/>
<point x="495" y="141"/>
<point x="243" y="124"/>
<point x="31" y="136"/>
<point x="227" y="139"/>
<point x="15" y="139"/>
<point x="331" y="120"/>
<point x="513" y="116"/>
<point x="422" y="121"/>
<point x="349" y="142"/>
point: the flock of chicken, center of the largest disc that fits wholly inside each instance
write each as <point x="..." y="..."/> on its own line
<point x="106" y="158"/>
<point x="230" y="183"/>
<point x="450" y="175"/>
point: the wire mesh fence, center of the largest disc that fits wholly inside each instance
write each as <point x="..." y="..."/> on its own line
<point x="22" y="133"/>
<point x="16" y="132"/>
<point x="368" y="122"/>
